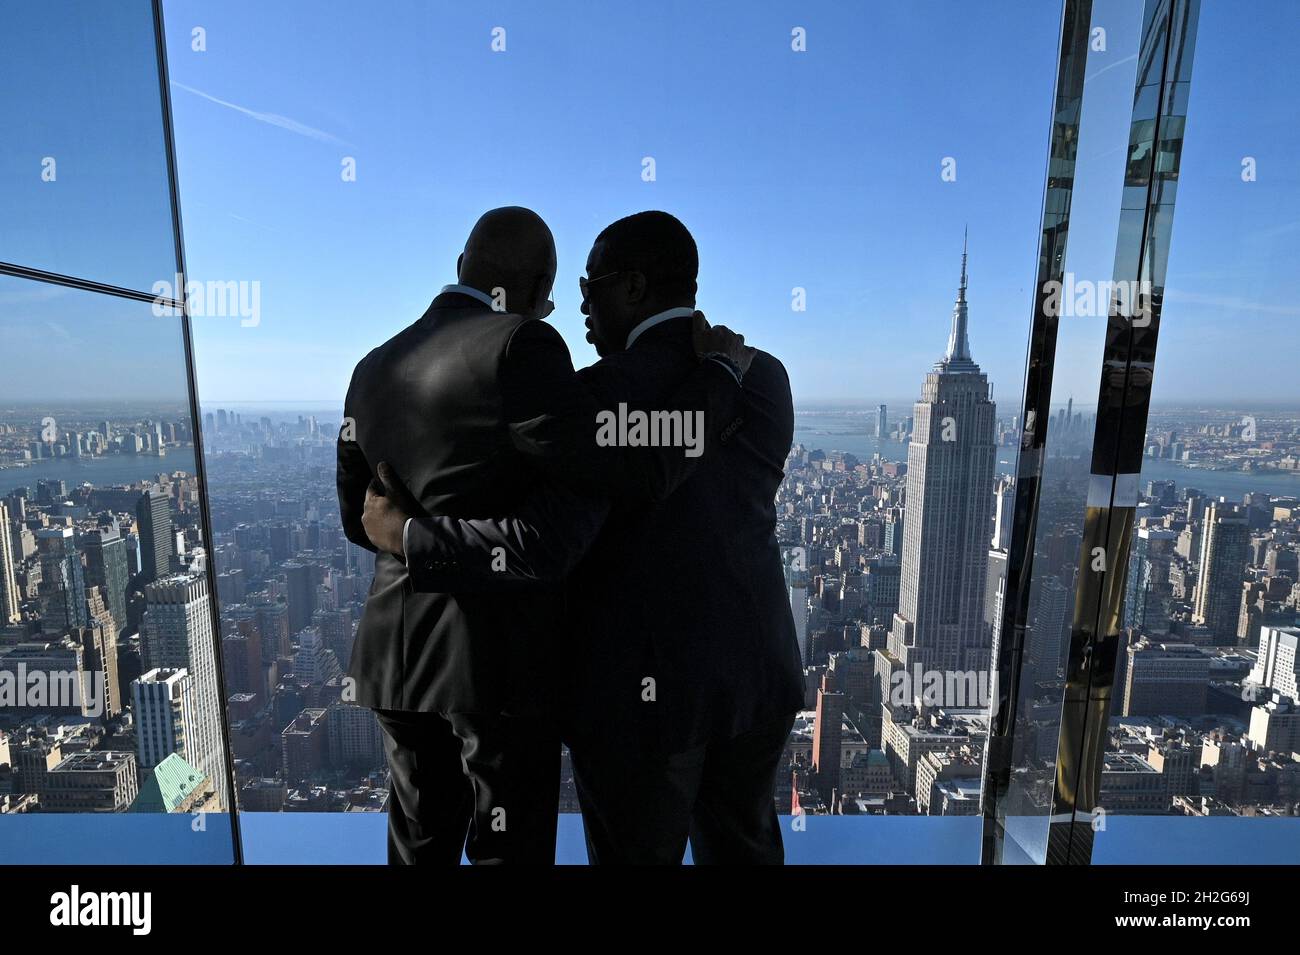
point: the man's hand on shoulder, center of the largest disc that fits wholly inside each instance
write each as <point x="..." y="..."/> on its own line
<point x="719" y="341"/>
<point x="389" y="505"/>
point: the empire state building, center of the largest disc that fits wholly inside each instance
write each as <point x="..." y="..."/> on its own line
<point x="950" y="469"/>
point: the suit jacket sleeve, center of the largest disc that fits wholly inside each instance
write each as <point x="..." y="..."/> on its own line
<point x="541" y="542"/>
<point x="352" y="475"/>
<point x="553" y="418"/>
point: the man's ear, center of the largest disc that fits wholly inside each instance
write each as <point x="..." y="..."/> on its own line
<point x="635" y="286"/>
<point x="541" y="293"/>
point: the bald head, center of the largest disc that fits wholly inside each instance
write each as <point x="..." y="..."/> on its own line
<point x="511" y="249"/>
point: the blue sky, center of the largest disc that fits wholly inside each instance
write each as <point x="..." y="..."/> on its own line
<point x="818" y="169"/>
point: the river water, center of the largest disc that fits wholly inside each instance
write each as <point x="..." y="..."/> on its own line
<point x="828" y="432"/>
<point x="857" y="436"/>
<point x="101" y="472"/>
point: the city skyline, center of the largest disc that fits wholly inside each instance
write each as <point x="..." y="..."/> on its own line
<point x="287" y="586"/>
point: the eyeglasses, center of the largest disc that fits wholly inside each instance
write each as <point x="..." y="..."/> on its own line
<point x="585" y="283"/>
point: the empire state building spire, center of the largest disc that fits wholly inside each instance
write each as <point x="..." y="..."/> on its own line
<point x="957" y="358"/>
<point x="952" y="459"/>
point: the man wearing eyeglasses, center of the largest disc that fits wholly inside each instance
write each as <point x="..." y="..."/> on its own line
<point x="682" y="665"/>
<point x="473" y="404"/>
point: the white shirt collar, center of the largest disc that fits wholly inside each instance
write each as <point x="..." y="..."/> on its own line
<point x="483" y="297"/>
<point x="653" y="320"/>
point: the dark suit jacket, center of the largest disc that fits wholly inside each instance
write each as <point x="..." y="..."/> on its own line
<point x="467" y="405"/>
<point x="678" y="625"/>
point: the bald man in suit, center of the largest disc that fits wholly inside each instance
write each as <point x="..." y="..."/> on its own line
<point x="473" y="404"/>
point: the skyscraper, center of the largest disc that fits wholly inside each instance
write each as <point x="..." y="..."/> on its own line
<point x="106" y="568"/>
<point x="8" y="582"/>
<point x="63" y="581"/>
<point x="995" y="584"/>
<point x="176" y="633"/>
<point x="163" y="710"/>
<point x="154" y="516"/>
<point x="1004" y="510"/>
<point x="1224" y="544"/>
<point x="336" y="628"/>
<point x="314" y="662"/>
<point x="827" y="736"/>
<point x="882" y="421"/>
<point x="272" y="619"/>
<point x="799" y="609"/>
<point x="1049" y="609"/>
<point x="300" y="580"/>
<point x="950" y="469"/>
<point x="1149" y="595"/>
<point x="1278" y="665"/>
<point x="99" y="656"/>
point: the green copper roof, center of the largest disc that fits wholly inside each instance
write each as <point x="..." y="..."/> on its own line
<point x="168" y="785"/>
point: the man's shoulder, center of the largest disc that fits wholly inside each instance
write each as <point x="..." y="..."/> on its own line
<point x="654" y="361"/>
<point x="767" y="373"/>
<point x="468" y="316"/>
<point x="454" y="322"/>
<point x="529" y="330"/>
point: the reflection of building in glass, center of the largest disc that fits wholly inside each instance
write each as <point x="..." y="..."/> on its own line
<point x="176" y="634"/>
<point x="163" y="706"/>
<point x="102" y="781"/>
<point x="154" y="517"/>
<point x="99" y="656"/>
<point x="50" y="676"/>
<point x="172" y="786"/>
<point x="63" y="582"/>
<point x="1048" y="613"/>
<point x="106" y="568"/>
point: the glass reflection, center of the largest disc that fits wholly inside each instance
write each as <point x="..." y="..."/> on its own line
<point x="110" y="697"/>
<point x="1203" y="718"/>
<point x="1080" y="306"/>
<point x="83" y="175"/>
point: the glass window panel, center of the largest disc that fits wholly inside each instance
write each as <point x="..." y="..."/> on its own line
<point x="1202" y="723"/>
<point x="110" y="723"/>
<point x="1098" y="185"/>
<point x="83" y="175"/>
<point x="823" y="171"/>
